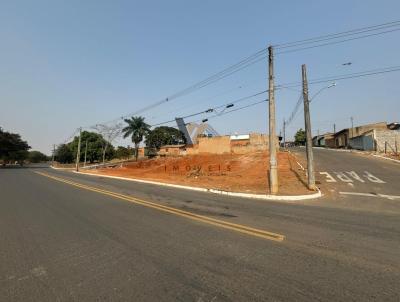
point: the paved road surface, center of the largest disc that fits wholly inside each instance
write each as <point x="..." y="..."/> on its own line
<point x="341" y="174"/>
<point x="63" y="242"/>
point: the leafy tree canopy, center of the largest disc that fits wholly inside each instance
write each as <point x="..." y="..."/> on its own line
<point x="164" y="135"/>
<point x="300" y="137"/>
<point x="37" y="157"/>
<point x="123" y="152"/>
<point x="66" y="153"/>
<point x="12" y="147"/>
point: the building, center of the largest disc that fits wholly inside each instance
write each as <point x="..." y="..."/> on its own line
<point x="172" y="150"/>
<point x="225" y="144"/>
<point x="318" y="141"/>
<point x="343" y="137"/>
<point x="380" y="140"/>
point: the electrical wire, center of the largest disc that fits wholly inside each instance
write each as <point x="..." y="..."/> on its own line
<point x="338" y="35"/>
<point x="214" y="108"/>
<point x="342" y="77"/>
<point x="336" y="42"/>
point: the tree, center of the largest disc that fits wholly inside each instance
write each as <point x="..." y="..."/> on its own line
<point x="300" y="137"/>
<point x="136" y="129"/>
<point x="123" y="152"/>
<point x="12" y="147"/>
<point x="96" y="144"/>
<point x="37" y="157"/>
<point x="64" y="154"/>
<point x="164" y="135"/>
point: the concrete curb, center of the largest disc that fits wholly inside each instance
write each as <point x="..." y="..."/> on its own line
<point x="234" y="194"/>
<point x="67" y="169"/>
<point x="387" y="158"/>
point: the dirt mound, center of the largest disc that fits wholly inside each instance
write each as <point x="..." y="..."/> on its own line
<point x="229" y="172"/>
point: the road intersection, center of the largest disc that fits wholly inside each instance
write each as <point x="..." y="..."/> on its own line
<point x="72" y="237"/>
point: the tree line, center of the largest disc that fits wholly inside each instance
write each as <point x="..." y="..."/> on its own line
<point x="13" y="149"/>
<point x="95" y="147"/>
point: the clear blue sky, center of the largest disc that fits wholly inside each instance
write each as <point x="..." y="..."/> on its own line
<point x="65" y="64"/>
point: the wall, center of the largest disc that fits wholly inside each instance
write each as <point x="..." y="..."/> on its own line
<point x="392" y="137"/>
<point x="362" y="129"/>
<point x="363" y="142"/>
<point x="214" y="145"/>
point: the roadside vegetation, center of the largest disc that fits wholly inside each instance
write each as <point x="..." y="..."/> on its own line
<point x="12" y="148"/>
<point x="94" y="146"/>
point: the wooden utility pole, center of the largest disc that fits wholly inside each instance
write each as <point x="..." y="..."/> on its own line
<point x="307" y="120"/>
<point x="78" y="153"/>
<point x="84" y="163"/>
<point x="273" y="164"/>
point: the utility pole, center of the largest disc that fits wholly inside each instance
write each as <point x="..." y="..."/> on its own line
<point x="352" y="127"/>
<point x="104" y="153"/>
<point x="334" y="128"/>
<point x="284" y="133"/>
<point x="84" y="163"/>
<point x="310" y="159"/>
<point x="54" y="152"/>
<point x="273" y="164"/>
<point x="78" y="153"/>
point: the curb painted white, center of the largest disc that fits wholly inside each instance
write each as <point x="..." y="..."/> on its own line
<point x="67" y="169"/>
<point x="235" y="194"/>
<point x="387" y="158"/>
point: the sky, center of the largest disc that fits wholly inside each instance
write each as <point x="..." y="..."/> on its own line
<point x="70" y="64"/>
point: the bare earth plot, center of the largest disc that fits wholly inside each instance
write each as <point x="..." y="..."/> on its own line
<point x="228" y="172"/>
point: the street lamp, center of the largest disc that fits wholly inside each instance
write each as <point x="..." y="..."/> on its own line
<point x="322" y="89"/>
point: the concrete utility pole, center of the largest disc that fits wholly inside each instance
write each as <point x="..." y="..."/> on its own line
<point x="307" y="120"/>
<point x="78" y="153"/>
<point x="352" y="127"/>
<point x="334" y="128"/>
<point x="284" y="134"/>
<point x="84" y="163"/>
<point x="54" y="152"/>
<point x="273" y="164"/>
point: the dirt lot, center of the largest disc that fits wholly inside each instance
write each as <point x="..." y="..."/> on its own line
<point x="237" y="173"/>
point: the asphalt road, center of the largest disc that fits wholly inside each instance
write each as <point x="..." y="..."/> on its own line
<point x="73" y="242"/>
<point x="344" y="175"/>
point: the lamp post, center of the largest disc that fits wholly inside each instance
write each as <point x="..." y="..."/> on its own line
<point x="322" y="89"/>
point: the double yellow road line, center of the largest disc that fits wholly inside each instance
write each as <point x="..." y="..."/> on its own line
<point x="216" y="222"/>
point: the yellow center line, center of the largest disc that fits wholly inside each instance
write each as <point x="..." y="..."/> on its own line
<point x="216" y="222"/>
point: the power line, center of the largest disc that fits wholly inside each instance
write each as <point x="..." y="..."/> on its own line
<point x="233" y="110"/>
<point x="338" y="35"/>
<point x="261" y="54"/>
<point x="337" y="42"/>
<point x="254" y="58"/>
<point x="295" y="110"/>
<point x="214" y="108"/>
<point x="343" y="76"/>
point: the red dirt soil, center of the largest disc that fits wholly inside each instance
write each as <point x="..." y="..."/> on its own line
<point x="246" y="173"/>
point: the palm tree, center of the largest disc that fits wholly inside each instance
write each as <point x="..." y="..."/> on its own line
<point x="136" y="129"/>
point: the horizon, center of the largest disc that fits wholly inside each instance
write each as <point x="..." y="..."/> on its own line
<point x="68" y="65"/>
